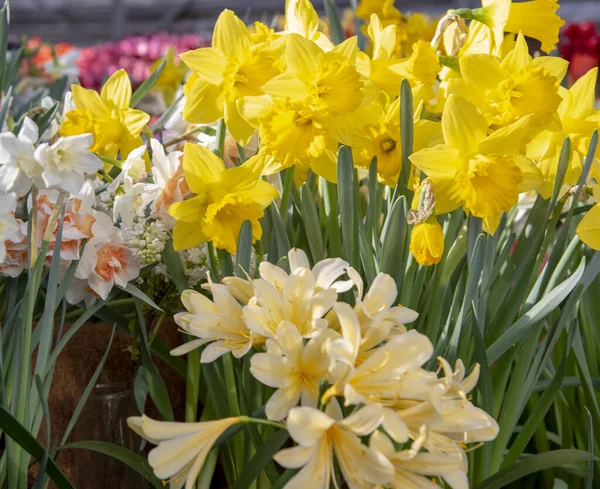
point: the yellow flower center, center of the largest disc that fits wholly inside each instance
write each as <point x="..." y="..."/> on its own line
<point x="529" y="91"/>
<point x="338" y="87"/>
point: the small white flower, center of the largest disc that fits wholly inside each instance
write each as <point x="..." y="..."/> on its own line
<point x="126" y="204"/>
<point x="18" y="165"/>
<point x="9" y="229"/>
<point x="67" y="161"/>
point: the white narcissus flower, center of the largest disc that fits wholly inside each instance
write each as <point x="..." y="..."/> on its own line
<point x="182" y="447"/>
<point x="128" y="199"/>
<point x="320" y="436"/>
<point x="218" y="323"/>
<point x="9" y="230"/>
<point x="67" y="161"/>
<point x="18" y="166"/>
<point x="105" y="262"/>
<point x="296" y="370"/>
<point x="303" y="297"/>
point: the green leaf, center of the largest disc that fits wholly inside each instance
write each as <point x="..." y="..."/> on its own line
<point x="282" y="243"/>
<point x="535" y="463"/>
<point x="264" y="455"/>
<point x="348" y="207"/>
<point x="244" y="250"/>
<point x="88" y="390"/>
<point x="135" y="292"/>
<point x="40" y="479"/>
<point x="129" y="458"/>
<point x="16" y="432"/>
<point x="3" y="42"/>
<point x="175" y="267"/>
<point x="147" y="86"/>
<point x="393" y="239"/>
<point x="407" y="138"/>
<point x="523" y="326"/>
<point x="6" y="103"/>
<point x="310" y="219"/>
<point x="10" y="75"/>
<point x="283" y="480"/>
<point x="44" y="121"/>
<point x="156" y="385"/>
<point x="58" y="87"/>
<point x="563" y="164"/>
<point x="337" y="32"/>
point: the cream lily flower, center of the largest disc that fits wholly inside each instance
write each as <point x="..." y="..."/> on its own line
<point x="414" y="468"/>
<point x="218" y="323"/>
<point x="182" y="447"/>
<point x="321" y="435"/>
<point x="303" y="297"/>
<point x="296" y="370"/>
<point x="376" y="378"/>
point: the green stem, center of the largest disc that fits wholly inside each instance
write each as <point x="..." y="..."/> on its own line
<point x="247" y="420"/>
<point x="221" y="130"/>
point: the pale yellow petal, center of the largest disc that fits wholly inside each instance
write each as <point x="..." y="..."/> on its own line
<point x="510" y="139"/>
<point x="209" y="63"/>
<point x="482" y="70"/>
<point x="252" y="107"/>
<point x="231" y="35"/>
<point x="588" y="229"/>
<point x="517" y="58"/>
<point x="583" y="94"/>
<point x="239" y="128"/>
<point x="85" y="99"/>
<point x="287" y="85"/>
<point x="302" y="55"/>
<point x="441" y="161"/>
<point x="554" y="65"/>
<point x="532" y="176"/>
<point x="117" y="89"/>
<point x="200" y="166"/>
<point x="464" y="127"/>
<point x="204" y="102"/>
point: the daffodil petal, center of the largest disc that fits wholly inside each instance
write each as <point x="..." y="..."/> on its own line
<point x="441" y="161"/>
<point x="231" y="35"/>
<point x="482" y="69"/>
<point x="117" y="89"/>
<point x="464" y="127"/>
<point x="588" y="229"/>
<point x="209" y="63"/>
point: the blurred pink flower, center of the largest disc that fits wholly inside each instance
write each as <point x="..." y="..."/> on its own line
<point x="134" y="54"/>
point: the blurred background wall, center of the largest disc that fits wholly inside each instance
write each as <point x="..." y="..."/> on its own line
<point x="84" y="22"/>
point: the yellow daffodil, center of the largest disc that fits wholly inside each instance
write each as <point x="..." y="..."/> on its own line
<point x="301" y="18"/>
<point x="182" y="447"/>
<point x="232" y="68"/>
<point x="518" y="85"/>
<point x="295" y="369"/>
<point x="291" y="135"/>
<point x="536" y="19"/>
<point x="579" y="118"/>
<point x="327" y="83"/>
<point x="484" y="174"/>
<point x="321" y="435"/>
<point x="421" y="68"/>
<point x="427" y="242"/>
<point x="378" y="135"/>
<point x="588" y="229"/>
<point x="172" y="76"/>
<point x="384" y="9"/>
<point x="107" y="116"/>
<point x="223" y="200"/>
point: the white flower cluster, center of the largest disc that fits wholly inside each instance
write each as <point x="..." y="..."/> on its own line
<point x="146" y="239"/>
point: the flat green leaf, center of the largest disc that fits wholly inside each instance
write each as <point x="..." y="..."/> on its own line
<point x="535" y="463"/>
<point x="521" y="328"/>
<point x="16" y="432"/>
<point x="45" y="120"/>
<point x="129" y="458"/>
<point x="348" y="207"/>
<point x="393" y="239"/>
<point x="174" y="266"/>
<point x="244" y="250"/>
<point x="561" y="171"/>
<point x="156" y="385"/>
<point x="264" y="455"/>
<point x="333" y="14"/>
<point x="310" y="219"/>
<point x="147" y="86"/>
<point x="135" y="292"/>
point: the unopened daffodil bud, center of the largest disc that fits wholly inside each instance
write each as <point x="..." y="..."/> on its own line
<point x="427" y="242"/>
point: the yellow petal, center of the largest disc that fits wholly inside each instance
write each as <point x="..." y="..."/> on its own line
<point x="483" y="70"/>
<point x="588" y="229"/>
<point x="302" y="55"/>
<point x="252" y="107"/>
<point x="301" y="18"/>
<point x="200" y="166"/>
<point x="133" y="121"/>
<point x="204" y="102"/>
<point x="187" y="235"/>
<point x="348" y="49"/>
<point x="231" y="35"/>
<point x="325" y="165"/>
<point x="117" y="89"/>
<point x="384" y="39"/>
<point x="464" y="127"/>
<point x="441" y="161"/>
<point x="536" y="19"/>
<point x="427" y="242"/>
<point x="447" y="195"/>
<point x="510" y="139"/>
<point x="555" y="66"/>
<point x="532" y="176"/>
<point x="583" y="94"/>
<point x="518" y="57"/>
<point x="190" y="210"/>
<point x="237" y="125"/>
<point x="209" y="63"/>
<point x="89" y="100"/>
<point x="490" y="224"/>
<point x="287" y="85"/>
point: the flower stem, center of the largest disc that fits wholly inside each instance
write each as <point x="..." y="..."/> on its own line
<point x="247" y="420"/>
